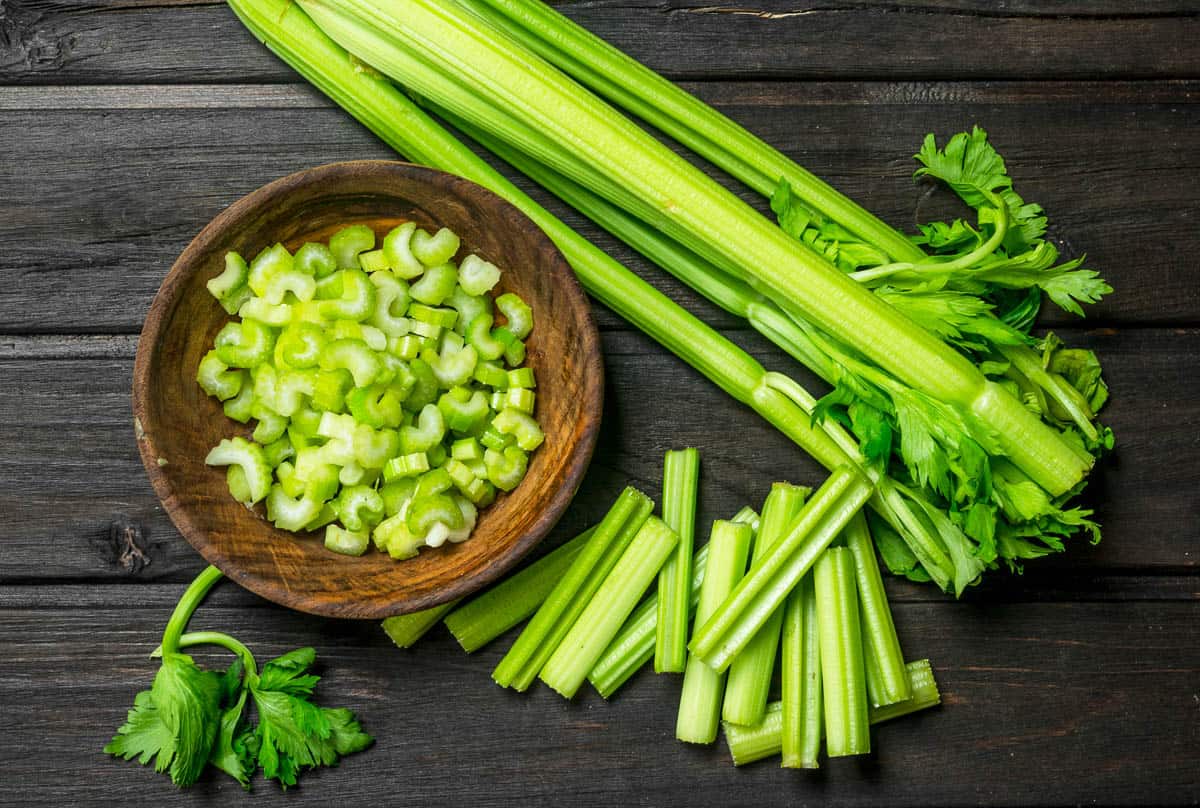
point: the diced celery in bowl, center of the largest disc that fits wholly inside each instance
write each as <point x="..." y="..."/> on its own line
<point x="386" y="384"/>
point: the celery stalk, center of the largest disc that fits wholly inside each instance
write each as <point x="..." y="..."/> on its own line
<point x="614" y="600"/>
<point x="768" y="583"/>
<point x="887" y="682"/>
<point x="803" y="704"/>
<point x="560" y="610"/>
<point x="681" y="477"/>
<point x="484" y="618"/>
<point x="748" y="744"/>
<point x="751" y="671"/>
<point x="843" y="678"/>
<point x="700" y="699"/>
<point x="634" y="645"/>
<point x="405" y="629"/>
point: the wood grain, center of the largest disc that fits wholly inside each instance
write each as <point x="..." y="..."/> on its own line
<point x="1126" y="208"/>
<point x="1065" y="702"/>
<point x="176" y="422"/>
<point x="128" y="41"/>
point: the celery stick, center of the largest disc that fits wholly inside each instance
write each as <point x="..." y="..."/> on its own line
<point x="634" y="645"/>
<point x="681" y="478"/>
<point x="843" y="679"/>
<point x="748" y="744"/>
<point x="700" y="700"/>
<point x="887" y="683"/>
<point x="406" y="629"/>
<point x="568" y="667"/>
<point x="483" y="619"/>
<point x="552" y="621"/>
<point x="803" y="709"/>
<point x="764" y="589"/>
<point x="751" y="671"/>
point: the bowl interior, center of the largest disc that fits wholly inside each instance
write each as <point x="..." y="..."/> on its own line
<point x="178" y="423"/>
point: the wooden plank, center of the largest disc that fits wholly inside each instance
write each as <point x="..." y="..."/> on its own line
<point x="1117" y="178"/>
<point x="1044" y="704"/>
<point x="124" y="41"/>
<point x="79" y="506"/>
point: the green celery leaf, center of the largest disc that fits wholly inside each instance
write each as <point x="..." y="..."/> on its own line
<point x="824" y="236"/>
<point x="895" y="553"/>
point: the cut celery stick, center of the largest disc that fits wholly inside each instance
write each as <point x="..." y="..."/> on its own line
<point x="887" y="683"/>
<point x="634" y="645"/>
<point x="751" y="671"/>
<point x="766" y="586"/>
<point x="406" y="629"/>
<point x="700" y="699"/>
<point x="486" y="617"/>
<point x="748" y="744"/>
<point x="567" y="668"/>
<point x="681" y="479"/>
<point x="521" y="665"/>
<point x="803" y="708"/>
<point x="843" y="677"/>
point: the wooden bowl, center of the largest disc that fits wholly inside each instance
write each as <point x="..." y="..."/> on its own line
<point x="177" y="423"/>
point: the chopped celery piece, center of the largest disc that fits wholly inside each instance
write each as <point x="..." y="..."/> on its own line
<point x="429" y="430"/>
<point x="476" y="276"/>
<point x="491" y="374"/>
<point x="397" y="248"/>
<point x="700" y="699"/>
<point x="405" y="629"/>
<point x="433" y="315"/>
<point x="486" y="617"/>
<point x="346" y="542"/>
<point x="521" y="377"/>
<point x="681" y="480"/>
<point x="751" y="671"/>
<point x="843" y="675"/>
<point x="359" y="507"/>
<point x="299" y="345"/>
<point x="424" y="512"/>
<point x="518" y="314"/>
<point x="391" y="302"/>
<point x="229" y="288"/>
<point x="217" y="379"/>
<point x="314" y="258"/>
<point x="542" y="635"/>
<point x="249" y="457"/>
<point x="435" y="285"/>
<point x="436" y="249"/>
<point x="239" y="488"/>
<point x="373" y="261"/>
<point x="451" y="368"/>
<point x="769" y="581"/>
<point x="748" y="744"/>
<point x="357" y="299"/>
<point x="521" y="426"/>
<point x="466" y="449"/>
<point x="803" y="704"/>
<point x="348" y="242"/>
<point x="409" y="465"/>
<point x="245" y="344"/>
<point x="887" y="682"/>
<point x="506" y="469"/>
<point x="479" y="335"/>
<point x="266" y="264"/>
<point x="567" y="668"/>
<point x="352" y="355"/>
<point x="240" y="407"/>
<point x="291" y="513"/>
<point x="278" y="451"/>
<point x="463" y="409"/>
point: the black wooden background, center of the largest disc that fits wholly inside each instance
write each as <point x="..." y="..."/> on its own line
<point x="125" y="125"/>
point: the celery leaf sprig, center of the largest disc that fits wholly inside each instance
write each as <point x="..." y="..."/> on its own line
<point x="192" y="717"/>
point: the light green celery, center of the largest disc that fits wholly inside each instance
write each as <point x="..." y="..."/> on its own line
<point x="700" y="699"/>
<point x="391" y="115"/>
<point x="803" y="713"/>
<point x="435" y="37"/>
<point x="763" y="590"/>
<point x="751" y="671"/>
<point x="567" y="668"/>
<point x="681" y="479"/>
<point x="484" y="618"/>
<point x="634" y="645"/>
<point x="748" y="744"/>
<point x="554" y="618"/>
<point x="843" y="677"/>
<point x="887" y="682"/>
<point x="405" y="629"/>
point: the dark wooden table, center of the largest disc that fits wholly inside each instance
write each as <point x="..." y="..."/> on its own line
<point x="125" y="125"/>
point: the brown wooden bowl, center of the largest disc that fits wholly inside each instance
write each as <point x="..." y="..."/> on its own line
<point x="177" y="423"/>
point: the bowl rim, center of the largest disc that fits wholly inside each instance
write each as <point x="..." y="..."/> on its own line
<point x="272" y="587"/>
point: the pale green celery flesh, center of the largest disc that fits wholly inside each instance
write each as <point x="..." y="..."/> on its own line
<point x="700" y="698"/>
<point x="887" y="681"/>
<point x="750" y="672"/>
<point x="843" y="677"/>
<point x="634" y="645"/>
<point x="803" y="711"/>
<point x="681" y="479"/>
<point x="748" y="744"/>
<point x="768" y="583"/>
<point x="486" y="617"/>
<point x="613" y="601"/>
<point x="405" y="629"/>
<point x="560" y="610"/>
<point x="676" y="197"/>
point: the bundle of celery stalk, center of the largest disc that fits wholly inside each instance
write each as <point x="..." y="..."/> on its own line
<point x="973" y="433"/>
<point x="796" y="590"/>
